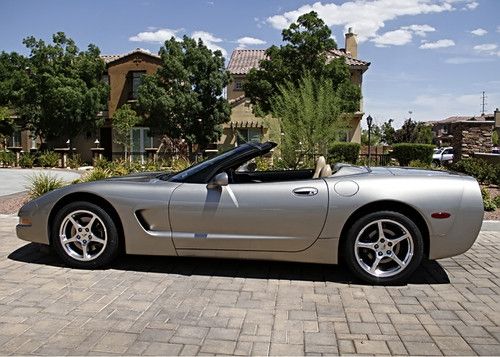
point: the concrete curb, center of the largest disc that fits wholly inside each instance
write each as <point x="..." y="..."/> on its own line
<point x="490" y="226"/>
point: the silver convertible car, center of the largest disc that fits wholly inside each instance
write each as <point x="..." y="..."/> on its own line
<point x="380" y="221"/>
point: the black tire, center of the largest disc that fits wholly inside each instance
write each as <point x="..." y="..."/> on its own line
<point x="364" y="248"/>
<point x="102" y="228"/>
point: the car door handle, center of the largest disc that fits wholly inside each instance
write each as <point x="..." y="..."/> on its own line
<point x="305" y="191"/>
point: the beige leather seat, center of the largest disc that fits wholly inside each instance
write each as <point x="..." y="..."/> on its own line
<point x="320" y="163"/>
<point x="326" y="171"/>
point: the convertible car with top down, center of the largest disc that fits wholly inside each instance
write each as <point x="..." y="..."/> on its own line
<point x="380" y="221"/>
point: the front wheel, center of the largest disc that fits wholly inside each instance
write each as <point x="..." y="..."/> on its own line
<point x="384" y="248"/>
<point x="85" y="236"/>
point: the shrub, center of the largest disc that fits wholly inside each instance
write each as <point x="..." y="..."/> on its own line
<point x="96" y="174"/>
<point x="496" y="201"/>
<point x="26" y="160"/>
<point x="407" y="152"/>
<point x="483" y="171"/>
<point x="48" y="159"/>
<point x="75" y="161"/>
<point x="40" y="184"/>
<point x="488" y="203"/>
<point x="179" y="164"/>
<point x="344" y="152"/>
<point x="7" y="158"/>
<point x="420" y="164"/>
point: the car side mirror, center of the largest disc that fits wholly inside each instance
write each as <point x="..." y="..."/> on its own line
<point x="221" y="179"/>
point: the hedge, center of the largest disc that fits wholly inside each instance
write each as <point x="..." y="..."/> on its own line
<point x="344" y="152"/>
<point x="407" y="152"/>
<point x="482" y="170"/>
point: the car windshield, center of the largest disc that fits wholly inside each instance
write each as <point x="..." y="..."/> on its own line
<point x="181" y="175"/>
<point x="438" y="151"/>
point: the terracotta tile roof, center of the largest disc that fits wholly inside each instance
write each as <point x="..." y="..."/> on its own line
<point x="243" y="60"/>
<point x="111" y="58"/>
<point x="351" y="62"/>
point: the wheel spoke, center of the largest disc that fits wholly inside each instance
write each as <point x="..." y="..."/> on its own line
<point x="91" y="223"/>
<point x="375" y="264"/>
<point x="380" y="230"/>
<point x="98" y="240"/>
<point x="65" y="240"/>
<point x="400" y="239"/>
<point x="74" y="223"/>
<point x="397" y="260"/>
<point x="365" y="245"/>
<point x="85" y="250"/>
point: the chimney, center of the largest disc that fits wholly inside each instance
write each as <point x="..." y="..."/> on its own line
<point x="351" y="44"/>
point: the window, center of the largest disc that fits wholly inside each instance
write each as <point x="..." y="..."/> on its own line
<point x="15" y="139"/>
<point x="136" y="82"/>
<point x="238" y="85"/>
<point x="247" y="135"/>
<point x="140" y="139"/>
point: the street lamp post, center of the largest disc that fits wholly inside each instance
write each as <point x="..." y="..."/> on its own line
<point x="369" y="121"/>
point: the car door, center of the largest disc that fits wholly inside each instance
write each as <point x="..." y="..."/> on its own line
<point x="448" y="155"/>
<point x="277" y="216"/>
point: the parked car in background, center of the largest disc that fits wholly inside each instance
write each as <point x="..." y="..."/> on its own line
<point x="443" y="156"/>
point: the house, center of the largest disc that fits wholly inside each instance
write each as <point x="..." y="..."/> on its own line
<point x="245" y="126"/>
<point x="123" y="75"/>
<point x="467" y="134"/>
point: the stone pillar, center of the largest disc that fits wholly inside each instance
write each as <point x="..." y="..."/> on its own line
<point x="17" y="151"/>
<point x="63" y="156"/>
<point x="96" y="154"/>
<point x="152" y="154"/>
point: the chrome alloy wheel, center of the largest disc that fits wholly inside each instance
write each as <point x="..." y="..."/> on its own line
<point x="384" y="248"/>
<point x="83" y="235"/>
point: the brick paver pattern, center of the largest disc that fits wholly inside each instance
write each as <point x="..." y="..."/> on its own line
<point x="188" y="306"/>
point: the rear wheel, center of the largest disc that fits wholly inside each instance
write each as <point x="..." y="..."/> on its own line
<point x="85" y="236"/>
<point x="384" y="248"/>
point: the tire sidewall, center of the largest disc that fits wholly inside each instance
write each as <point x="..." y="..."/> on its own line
<point x="112" y="244"/>
<point x="418" y="248"/>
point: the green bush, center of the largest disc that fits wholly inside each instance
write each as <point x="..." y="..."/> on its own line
<point x="40" y="184"/>
<point x="483" y="171"/>
<point x="407" y="152"/>
<point x="95" y="175"/>
<point x="48" y="159"/>
<point x="420" y="164"/>
<point x="488" y="203"/>
<point x="75" y="161"/>
<point x="7" y="158"/>
<point x="496" y="201"/>
<point x="26" y="160"/>
<point x="344" y="152"/>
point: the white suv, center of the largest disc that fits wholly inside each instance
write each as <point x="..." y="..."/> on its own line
<point x="443" y="155"/>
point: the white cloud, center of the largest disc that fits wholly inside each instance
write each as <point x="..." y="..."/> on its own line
<point x="401" y="36"/>
<point x="479" y="32"/>
<point x="393" y="38"/>
<point x="419" y="30"/>
<point x="486" y="47"/>
<point x="367" y="17"/>
<point x="249" y="41"/>
<point x="154" y="35"/>
<point x="209" y="40"/>
<point x="437" y="44"/>
<point x="498" y="28"/>
<point x="471" y="5"/>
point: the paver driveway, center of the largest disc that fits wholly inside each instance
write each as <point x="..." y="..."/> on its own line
<point x="153" y="305"/>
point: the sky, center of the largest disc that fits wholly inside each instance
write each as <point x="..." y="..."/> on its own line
<point x="430" y="59"/>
